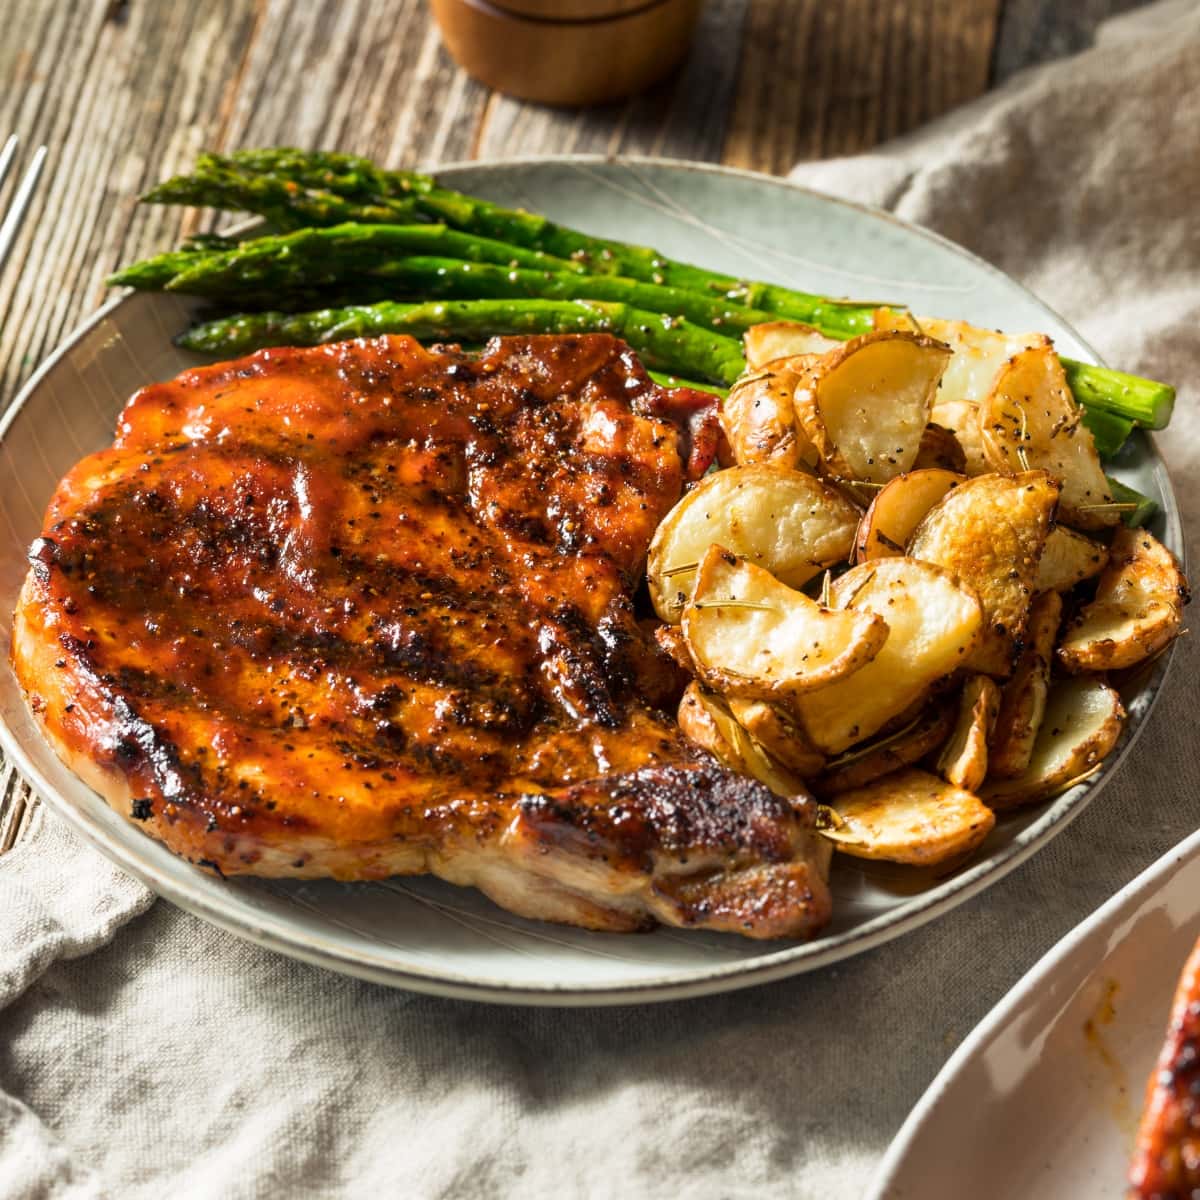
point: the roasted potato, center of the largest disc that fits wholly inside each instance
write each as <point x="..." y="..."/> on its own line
<point x="897" y="510"/>
<point x="775" y="731"/>
<point x="964" y="758"/>
<point x="940" y="450"/>
<point x="1082" y="723"/>
<point x="863" y="764"/>
<point x="1137" y="611"/>
<point x="934" y="623"/>
<point x="989" y="532"/>
<point x="751" y="636"/>
<point x="760" y="422"/>
<point x="978" y="355"/>
<point x="1023" y="697"/>
<point x="910" y="817"/>
<point x="961" y="418"/>
<point x="1069" y="558"/>
<point x="790" y="523"/>
<point x="705" y="719"/>
<point x="1030" y="421"/>
<point x="773" y="340"/>
<point x="865" y="405"/>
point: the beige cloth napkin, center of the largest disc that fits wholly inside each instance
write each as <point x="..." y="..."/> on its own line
<point x="166" y="1058"/>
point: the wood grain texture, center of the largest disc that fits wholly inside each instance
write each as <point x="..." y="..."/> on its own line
<point x="821" y="79"/>
<point x="126" y="91"/>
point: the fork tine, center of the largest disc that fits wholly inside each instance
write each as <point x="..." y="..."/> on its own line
<point x="6" y="155"/>
<point x="20" y="202"/>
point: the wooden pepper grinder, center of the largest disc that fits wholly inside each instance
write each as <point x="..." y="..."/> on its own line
<point x="567" y="52"/>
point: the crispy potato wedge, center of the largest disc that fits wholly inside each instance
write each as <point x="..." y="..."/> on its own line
<point x="709" y="723"/>
<point x="864" y="764"/>
<point x="964" y="758"/>
<point x="774" y="340"/>
<point x="978" y="354"/>
<point x="1082" y="724"/>
<point x="865" y="405"/>
<point x="961" y="418"/>
<point x="1137" y="611"/>
<point x="760" y="423"/>
<point x="1023" y="697"/>
<point x="774" y="730"/>
<point x="898" y="509"/>
<point x="910" y="817"/>
<point x="934" y="623"/>
<point x="1030" y="421"/>
<point x="790" y="523"/>
<point x="989" y="532"/>
<point x="1069" y="558"/>
<point x="940" y="450"/>
<point x="750" y="635"/>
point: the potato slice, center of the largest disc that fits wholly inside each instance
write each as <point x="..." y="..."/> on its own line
<point x="1137" y="611"/>
<point x="864" y="764"/>
<point x="1031" y="422"/>
<point x="1083" y="722"/>
<point x="978" y="354"/>
<point x="865" y="405"/>
<point x="898" y="509"/>
<point x="910" y="817"/>
<point x="989" y="532"/>
<point x="710" y="724"/>
<point x="774" y="730"/>
<point x="961" y="418"/>
<point x="773" y="340"/>
<point x="940" y="450"/>
<point x="1023" y="697"/>
<point x="788" y="522"/>
<point x="934" y="623"/>
<point x="964" y="758"/>
<point x="1069" y="558"/>
<point x="750" y="635"/>
<point x="760" y="422"/>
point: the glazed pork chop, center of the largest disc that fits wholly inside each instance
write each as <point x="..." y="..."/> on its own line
<point x="367" y="609"/>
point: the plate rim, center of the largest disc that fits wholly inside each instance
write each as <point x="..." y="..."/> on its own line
<point x="719" y="977"/>
<point x="996" y="1021"/>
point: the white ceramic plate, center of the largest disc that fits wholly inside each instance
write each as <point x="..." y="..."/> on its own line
<point x="1043" y="1098"/>
<point x="426" y="935"/>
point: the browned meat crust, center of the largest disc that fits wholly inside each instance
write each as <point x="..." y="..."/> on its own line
<point x="366" y="609"/>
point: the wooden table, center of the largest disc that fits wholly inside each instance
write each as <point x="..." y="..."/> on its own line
<point x="125" y="92"/>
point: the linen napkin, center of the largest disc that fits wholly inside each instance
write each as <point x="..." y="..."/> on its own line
<point x="144" y="1053"/>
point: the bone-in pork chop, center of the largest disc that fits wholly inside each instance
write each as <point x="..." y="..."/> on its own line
<point x="367" y="609"/>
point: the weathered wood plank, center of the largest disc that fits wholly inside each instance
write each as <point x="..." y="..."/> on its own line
<point x="821" y="79"/>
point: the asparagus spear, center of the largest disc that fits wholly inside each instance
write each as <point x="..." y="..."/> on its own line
<point x="312" y="258"/>
<point x="1109" y="430"/>
<point x="215" y="183"/>
<point x="668" y="342"/>
<point x="674" y="381"/>
<point x="1141" y="400"/>
<point x="285" y="203"/>
<point x="1144" y="508"/>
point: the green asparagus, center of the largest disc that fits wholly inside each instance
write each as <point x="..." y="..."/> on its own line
<point x="308" y="259"/>
<point x="1142" y="400"/>
<point x="1143" y="508"/>
<point x="286" y="204"/>
<point x="674" y="381"/>
<point x="1109" y="431"/>
<point x="667" y="342"/>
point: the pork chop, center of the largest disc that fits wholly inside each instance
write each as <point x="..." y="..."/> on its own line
<point x="367" y="609"/>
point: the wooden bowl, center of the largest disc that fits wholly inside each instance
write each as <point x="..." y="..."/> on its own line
<point x="567" y="52"/>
